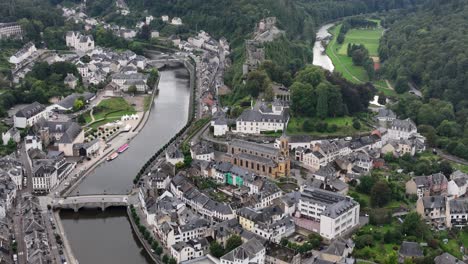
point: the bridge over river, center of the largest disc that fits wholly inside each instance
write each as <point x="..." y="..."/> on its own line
<point x="91" y="201"/>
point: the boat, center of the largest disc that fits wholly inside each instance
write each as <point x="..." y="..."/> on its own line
<point x="112" y="156"/>
<point x="123" y="148"/>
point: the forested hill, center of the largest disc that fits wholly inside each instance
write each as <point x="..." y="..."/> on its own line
<point x="236" y="18"/>
<point x="428" y="48"/>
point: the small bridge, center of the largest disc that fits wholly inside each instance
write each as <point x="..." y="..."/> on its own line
<point x="90" y="201"/>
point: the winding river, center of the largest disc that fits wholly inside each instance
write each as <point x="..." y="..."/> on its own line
<point x="168" y="115"/>
<point x="107" y="237"/>
<point x="320" y="57"/>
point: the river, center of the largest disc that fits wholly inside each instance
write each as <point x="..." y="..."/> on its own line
<point x="168" y="115"/>
<point x="320" y="57"/>
<point x="103" y="237"/>
<point x="107" y="237"/>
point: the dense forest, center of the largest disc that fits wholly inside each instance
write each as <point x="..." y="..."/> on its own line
<point x="433" y="57"/>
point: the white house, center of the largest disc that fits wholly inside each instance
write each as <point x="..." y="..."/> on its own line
<point x="124" y="81"/>
<point x="202" y="151"/>
<point x="177" y="21"/>
<point x="401" y="129"/>
<point x="251" y="251"/>
<point x="44" y="178"/>
<point x="13" y="134"/>
<point x="220" y="127"/>
<point x="22" y="54"/>
<point x="79" y="41"/>
<point x="191" y="249"/>
<point x="165" y="18"/>
<point x="30" y="115"/>
<point x="458" y="184"/>
<point x="32" y="142"/>
<point x="262" y="120"/>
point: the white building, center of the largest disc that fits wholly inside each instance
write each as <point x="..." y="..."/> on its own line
<point x="262" y="120"/>
<point x="13" y="134"/>
<point x="125" y="81"/>
<point x="25" y="52"/>
<point x="29" y="115"/>
<point x="457" y="213"/>
<point x="250" y="252"/>
<point x="458" y="184"/>
<point x="335" y="213"/>
<point x="183" y="251"/>
<point x="165" y="18"/>
<point x="202" y="151"/>
<point x="177" y="21"/>
<point x="148" y="19"/>
<point x="401" y="129"/>
<point x="44" y="178"/>
<point x="32" y="142"/>
<point x="79" y="42"/>
<point x="10" y="30"/>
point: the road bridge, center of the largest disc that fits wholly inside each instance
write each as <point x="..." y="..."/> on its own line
<point x="90" y="201"/>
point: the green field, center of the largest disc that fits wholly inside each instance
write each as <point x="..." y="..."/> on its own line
<point x="368" y="37"/>
<point x="344" y="64"/>
<point x="109" y="110"/>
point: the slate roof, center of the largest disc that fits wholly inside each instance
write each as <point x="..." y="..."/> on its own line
<point x="434" y="202"/>
<point x="458" y="206"/>
<point x="411" y="249"/>
<point x="447" y="258"/>
<point x="386" y="113"/>
<point x="247" y="250"/>
<point x="30" y="110"/>
<point x="405" y="125"/>
<point x="68" y="101"/>
<point x="250" y="115"/>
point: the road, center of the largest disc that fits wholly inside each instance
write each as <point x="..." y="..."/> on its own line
<point x="27" y="168"/>
<point x="452" y="158"/>
<point x="19" y="235"/>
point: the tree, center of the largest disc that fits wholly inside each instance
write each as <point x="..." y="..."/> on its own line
<point x="366" y="184"/>
<point x="172" y="261"/>
<point x="382" y="98"/>
<point x="145" y="32"/>
<point x="158" y="250"/>
<point x="216" y="249"/>
<point x="233" y="242"/>
<point x="132" y="89"/>
<point x="165" y="259"/>
<point x="153" y="78"/>
<point x="356" y="124"/>
<point x="78" y="105"/>
<point x="81" y="119"/>
<point x="257" y="82"/>
<point x="380" y="194"/>
<point x="322" y="101"/>
<point x="308" y="125"/>
<point x="413" y="225"/>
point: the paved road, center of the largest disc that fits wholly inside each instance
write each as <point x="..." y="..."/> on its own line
<point x="452" y="158"/>
<point x="19" y="236"/>
<point x="27" y="168"/>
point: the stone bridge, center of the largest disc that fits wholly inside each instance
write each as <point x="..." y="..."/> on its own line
<point x="90" y="201"/>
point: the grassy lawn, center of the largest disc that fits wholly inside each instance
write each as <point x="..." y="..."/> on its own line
<point x="110" y="110"/>
<point x="344" y="124"/>
<point x="367" y="37"/>
<point x="342" y="62"/>
<point x="382" y="86"/>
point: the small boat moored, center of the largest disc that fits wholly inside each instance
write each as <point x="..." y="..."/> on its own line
<point x="112" y="156"/>
<point x="123" y="148"/>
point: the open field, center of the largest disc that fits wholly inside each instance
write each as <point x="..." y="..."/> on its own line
<point x="368" y="37"/>
<point x="344" y="64"/>
<point x="110" y="110"/>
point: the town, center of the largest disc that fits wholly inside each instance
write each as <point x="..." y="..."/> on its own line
<point x="207" y="153"/>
